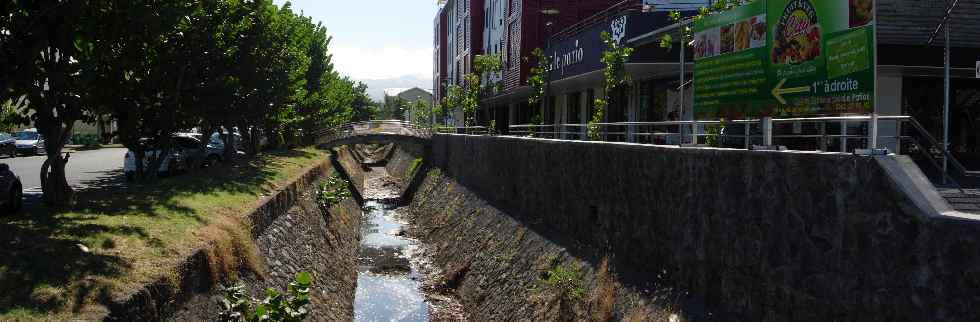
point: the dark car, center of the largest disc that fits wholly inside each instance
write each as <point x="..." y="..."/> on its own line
<point x="8" y="144"/>
<point x="11" y="191"/>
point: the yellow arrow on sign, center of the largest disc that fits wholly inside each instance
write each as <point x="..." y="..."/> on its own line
<point x="779" y="91"/>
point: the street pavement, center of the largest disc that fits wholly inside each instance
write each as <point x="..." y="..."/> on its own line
<point x="85" y="168"/>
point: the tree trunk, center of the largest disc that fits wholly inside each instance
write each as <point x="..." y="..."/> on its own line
<point x="230" y="152"/>
<point x="54" y="182"/>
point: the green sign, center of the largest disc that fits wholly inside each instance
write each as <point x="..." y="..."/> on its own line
<point x="785" y="58"/>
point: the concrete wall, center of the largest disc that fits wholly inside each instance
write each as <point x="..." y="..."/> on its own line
<point x="758" y="236"/>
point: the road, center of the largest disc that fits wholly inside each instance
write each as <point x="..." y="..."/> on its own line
<point x="84" y="167"/>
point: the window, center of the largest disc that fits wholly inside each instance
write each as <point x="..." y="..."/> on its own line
<point x="573" y="104"/>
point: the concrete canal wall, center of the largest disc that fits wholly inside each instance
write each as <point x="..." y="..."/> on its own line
<point x="744" y="235"/>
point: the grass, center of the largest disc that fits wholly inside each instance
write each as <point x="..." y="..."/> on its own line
<point x="414" y="167"/>
<point x="567" y="279"/>
<point x="64" y="264"/>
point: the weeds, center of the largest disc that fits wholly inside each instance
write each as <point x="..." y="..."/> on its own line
<point x="414" y="167"/>
<point x="232" y="249"/>
<point x="333" y="190"/>
<point x="293" y="306"/>
<point x="567" y="279"/>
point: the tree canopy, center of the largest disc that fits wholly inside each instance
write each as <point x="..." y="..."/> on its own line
<point x="157" y="67"/>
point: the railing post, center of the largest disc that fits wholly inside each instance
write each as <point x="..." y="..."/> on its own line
<point x="873" y="132"/>
<point x="767" y="131"/>
<point x="823" y="136"/>
<point x="843" y="136"/>
<point x="747" y="138"/>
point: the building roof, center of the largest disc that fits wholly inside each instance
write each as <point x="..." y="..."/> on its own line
<point x="399" y="91"/>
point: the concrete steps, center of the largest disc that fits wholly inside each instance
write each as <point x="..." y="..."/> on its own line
<point x="966" y="200"/>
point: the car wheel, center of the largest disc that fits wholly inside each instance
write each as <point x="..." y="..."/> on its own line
<point x="13" y="152"/>
<point x="16" y="201"/>
<point x="34" y="151"/>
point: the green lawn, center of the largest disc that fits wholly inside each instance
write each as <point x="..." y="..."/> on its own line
<point x="57" y="265"/>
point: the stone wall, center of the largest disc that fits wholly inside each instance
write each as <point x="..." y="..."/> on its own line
<point x="747" y="235"/>
<point x="496" y="265"/>
<point x="292" y="234"/>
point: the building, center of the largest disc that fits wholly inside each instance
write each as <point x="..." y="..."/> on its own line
<point x="511" y="29"/>
<point x="572" y="43"/>
<point x="909" y="70"/>
<point x="439" y="46"/>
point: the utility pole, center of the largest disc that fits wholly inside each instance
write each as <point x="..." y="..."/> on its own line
<point x="944" y="25"/>
<point x="946" y="107"/>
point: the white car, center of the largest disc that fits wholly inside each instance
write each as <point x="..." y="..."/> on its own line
<point x="29" y="142"/>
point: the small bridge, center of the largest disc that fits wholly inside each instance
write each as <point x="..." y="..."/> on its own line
<point x="388" y="131"/>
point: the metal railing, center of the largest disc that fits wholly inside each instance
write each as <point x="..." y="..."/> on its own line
<point x="388" y="127"/>
<point x="471" y="130"/>
<point x="900" y="134"/>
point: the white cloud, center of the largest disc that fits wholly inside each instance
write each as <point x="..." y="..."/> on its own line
<point x="380" y="63"/>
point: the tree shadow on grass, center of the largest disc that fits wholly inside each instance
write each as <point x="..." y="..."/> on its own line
<point x="45" y="263"/>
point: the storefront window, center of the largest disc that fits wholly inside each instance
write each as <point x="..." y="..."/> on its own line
<point x="573" y="112"/>
<point x="549" y="111"/>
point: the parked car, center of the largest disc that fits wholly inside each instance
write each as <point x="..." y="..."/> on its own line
<point x="196" y="150"/>
<point x="11" y="190"/>
<point x="186" y="151"/>
<point x="217" y="140"/>
<point x="29" y="142"/>
<point x="8" y="144"/>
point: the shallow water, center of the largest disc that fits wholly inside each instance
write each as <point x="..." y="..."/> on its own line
<point x="388" y="284"/>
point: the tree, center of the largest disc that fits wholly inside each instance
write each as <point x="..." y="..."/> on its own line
<point x="43" y="47"/>
<point x="421" y="115"/>
<point x="142" y="72"/>
<point x="536" y="79"/>
<point x="614" y="74"/>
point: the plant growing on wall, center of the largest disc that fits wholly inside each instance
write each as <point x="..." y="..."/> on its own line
<point x="536" y="78"/>
<point x="614" y="58"/>
<point x="333" y="190"/>
<point x="291" y="306"/>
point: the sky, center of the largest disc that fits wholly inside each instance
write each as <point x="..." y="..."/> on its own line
<point x="376" y="39"/>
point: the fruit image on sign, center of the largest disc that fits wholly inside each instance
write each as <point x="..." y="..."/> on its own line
<point x="797" y="37"/>
<point x="860" y="12"/>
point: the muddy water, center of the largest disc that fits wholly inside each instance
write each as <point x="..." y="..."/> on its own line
<point x="388" y="284"/>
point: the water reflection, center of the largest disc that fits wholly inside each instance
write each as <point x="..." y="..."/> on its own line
<point x="388" y="286"/>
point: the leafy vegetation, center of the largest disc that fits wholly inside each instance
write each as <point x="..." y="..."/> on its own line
<point x="414" y="167"/>
<point x="537" y="77"/>
<point x="567" y="280"/>
<point x="156" y="67"/>
<point x="291" y="306"/>
<point x="614" y="59"/>
<point x="467" y="97"/>
<point x="333" y="190"/>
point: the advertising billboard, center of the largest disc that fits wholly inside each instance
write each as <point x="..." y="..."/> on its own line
<point x="785" y="58"/>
